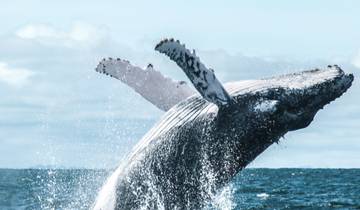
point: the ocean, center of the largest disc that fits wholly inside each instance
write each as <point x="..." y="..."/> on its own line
<point x="251" y="189"/>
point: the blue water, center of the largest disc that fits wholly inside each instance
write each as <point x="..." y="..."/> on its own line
<point x="252" y="189"/>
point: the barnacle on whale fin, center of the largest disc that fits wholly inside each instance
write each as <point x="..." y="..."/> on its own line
<point x="149" y="66"/>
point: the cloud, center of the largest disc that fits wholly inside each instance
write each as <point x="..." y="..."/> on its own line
<point x="16" y="77"/>
<point x="37" y="31"/>
<point x="356" y="60"/>
<point x="80" y="33"/>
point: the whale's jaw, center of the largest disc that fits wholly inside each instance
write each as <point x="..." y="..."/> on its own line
<point x="319" y="89"/>
<point x="292" y="99"/>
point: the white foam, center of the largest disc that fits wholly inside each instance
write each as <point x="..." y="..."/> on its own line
<point x="262" y="196"/>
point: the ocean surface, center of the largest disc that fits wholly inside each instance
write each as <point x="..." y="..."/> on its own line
<point x="251" y="189"/>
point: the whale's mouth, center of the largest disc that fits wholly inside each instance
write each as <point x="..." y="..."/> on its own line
<point x="310" y="91"/>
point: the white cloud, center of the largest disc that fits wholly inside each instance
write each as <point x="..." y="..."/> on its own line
<point x="86" y="33"/>
<point x="37" y="31"/>
<point x="356" y="60"/>
<point x="16" y="77"/>
<point x="80" y="33"/>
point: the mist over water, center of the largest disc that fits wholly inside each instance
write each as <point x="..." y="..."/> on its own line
<point x="49" y="188"/>
<point x="251" y="189"/>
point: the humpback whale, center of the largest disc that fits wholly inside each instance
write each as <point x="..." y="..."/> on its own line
<point x="206" y="137"/>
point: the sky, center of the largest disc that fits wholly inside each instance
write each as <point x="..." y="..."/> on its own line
<point x="55" y="110"/>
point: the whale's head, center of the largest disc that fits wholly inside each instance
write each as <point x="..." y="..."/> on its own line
<point x="291" y="101"/>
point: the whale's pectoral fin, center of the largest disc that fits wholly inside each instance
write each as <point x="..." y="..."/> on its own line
<point x="161" y="91"/>
<point x="203" y="78"/>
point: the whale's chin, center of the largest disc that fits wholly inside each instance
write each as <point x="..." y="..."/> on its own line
<point x="313" y="98"/>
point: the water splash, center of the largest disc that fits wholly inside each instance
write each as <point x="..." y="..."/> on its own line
<point x="224" y="200"/>
<point x="217" y="200"/>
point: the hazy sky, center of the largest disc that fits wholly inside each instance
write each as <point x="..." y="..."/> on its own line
<point x="56" y="110"/>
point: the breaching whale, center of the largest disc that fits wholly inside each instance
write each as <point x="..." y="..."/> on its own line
<point x="204" y="139"/>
